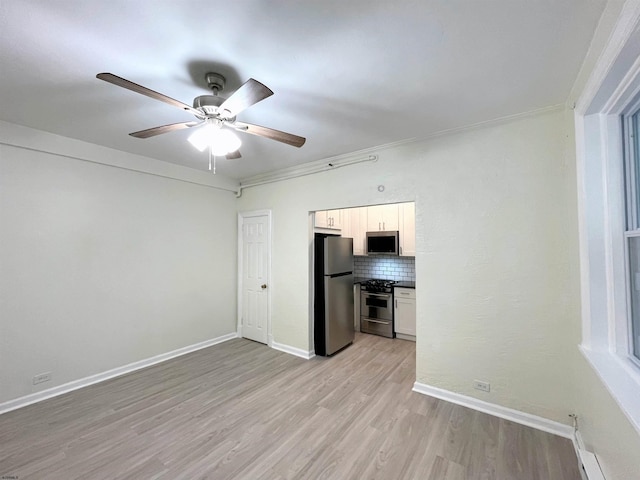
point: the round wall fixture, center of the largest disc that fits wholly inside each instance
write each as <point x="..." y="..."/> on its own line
<point x="381" y="188"/>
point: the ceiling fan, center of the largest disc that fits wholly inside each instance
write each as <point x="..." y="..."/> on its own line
<point x="216" y="116"/>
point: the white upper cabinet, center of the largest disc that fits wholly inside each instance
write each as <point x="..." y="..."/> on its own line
<point x="354" y="221"/>
<point x="321" y="219"/>
<point x="383" y="217"/>
<point x="328" y="219"/>
<point x="335" y="218"/>
<point x="408" y="229"/>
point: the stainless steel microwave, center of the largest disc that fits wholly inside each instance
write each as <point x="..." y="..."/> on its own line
<point x="383" y="243"/>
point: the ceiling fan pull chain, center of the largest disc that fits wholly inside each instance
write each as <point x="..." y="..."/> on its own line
<point x="214" y="160"/>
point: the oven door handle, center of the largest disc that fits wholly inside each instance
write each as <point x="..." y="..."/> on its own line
<point x="376" y="321"/>
<point x="385" y="295"/>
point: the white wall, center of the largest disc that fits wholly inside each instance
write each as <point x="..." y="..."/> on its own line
<point x="496" y="297"/>
<point x="101" y="266"/>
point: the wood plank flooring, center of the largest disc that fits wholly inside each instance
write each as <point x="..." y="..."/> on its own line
<point x="240" y="410"/>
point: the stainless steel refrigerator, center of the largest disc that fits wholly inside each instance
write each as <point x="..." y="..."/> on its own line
<point x="333" y="296"/>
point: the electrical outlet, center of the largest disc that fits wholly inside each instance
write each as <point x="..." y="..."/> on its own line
<point x="42" y="377"/>
<point x="484" y="386"/>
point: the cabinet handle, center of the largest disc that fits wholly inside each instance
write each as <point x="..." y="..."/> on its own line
<point x="383" y="227"/>
<point x="396" y="303"/>
<point x="379" y="226"/>
<point x="400" y="250"/>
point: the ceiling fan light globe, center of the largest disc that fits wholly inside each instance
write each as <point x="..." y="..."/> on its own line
<point x="221" y="141"/>
<point x="227" y="141"/>
<point x="200" y="138"/>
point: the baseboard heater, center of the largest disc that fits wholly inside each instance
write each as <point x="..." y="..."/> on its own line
<point x="590" y="466"/>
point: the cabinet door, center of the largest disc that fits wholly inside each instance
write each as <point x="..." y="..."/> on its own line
<point x="382" y="217"/>
<point x="390" y="217"/>
<point x="358" y="219"/>
<point x="374" y="218"/>
<point x="346" y="226"/>
<point x="408" y="229"/>
<point x="328" y="219"/>
<point x="334" y="219"/>
<point x="405" y="313"/>
<point x="321" y="219"/>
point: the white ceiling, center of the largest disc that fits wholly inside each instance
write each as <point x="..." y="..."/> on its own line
<point x="347" y="75"/>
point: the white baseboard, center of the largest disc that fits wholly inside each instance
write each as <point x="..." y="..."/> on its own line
<point x="402" y="336"/>
<point x="298" y="352"/>
<point x="116" y="372"/>
<point x="517" y="416"/>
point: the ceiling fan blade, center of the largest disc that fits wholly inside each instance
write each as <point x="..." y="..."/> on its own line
<point x="152" y="132"/>
<point x="250" y="93"/>
<point x="134" y="87"/>
<point x="233" y="155"/>
<point x="277" y="135"/>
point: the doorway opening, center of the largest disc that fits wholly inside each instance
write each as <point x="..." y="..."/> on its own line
<point x="397" y="269"/>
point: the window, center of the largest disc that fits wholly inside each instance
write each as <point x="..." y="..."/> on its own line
<point x="631" y="131"/>
<point x="607" y="120"/>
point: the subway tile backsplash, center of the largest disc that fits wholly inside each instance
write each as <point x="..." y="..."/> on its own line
<point x="386" y="267"/>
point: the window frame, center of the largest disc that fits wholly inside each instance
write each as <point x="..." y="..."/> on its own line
<point x="610" y="94"/>
<point x="632" y="227"/>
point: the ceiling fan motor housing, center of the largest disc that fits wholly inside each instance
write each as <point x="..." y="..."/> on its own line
<point x="215" y="81"/>
<point x="208" y="103"/>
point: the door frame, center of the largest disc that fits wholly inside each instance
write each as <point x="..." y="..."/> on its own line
<point x="241" y="218"/>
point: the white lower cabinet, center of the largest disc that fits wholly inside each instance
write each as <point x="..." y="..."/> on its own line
<point x="405" y="312"/>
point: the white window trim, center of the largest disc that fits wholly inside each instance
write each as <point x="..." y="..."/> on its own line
<point x="612" y="89"/>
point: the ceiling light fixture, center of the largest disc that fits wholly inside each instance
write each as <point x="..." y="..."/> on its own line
<point x="220" y="140"/>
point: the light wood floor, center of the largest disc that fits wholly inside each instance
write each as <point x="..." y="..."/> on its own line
<point x="240" y="410"/>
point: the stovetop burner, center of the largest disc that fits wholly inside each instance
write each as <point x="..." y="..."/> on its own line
<point x="377" y="285"/>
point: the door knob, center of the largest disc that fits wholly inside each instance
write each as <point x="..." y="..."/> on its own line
<point x="263" y="286"/>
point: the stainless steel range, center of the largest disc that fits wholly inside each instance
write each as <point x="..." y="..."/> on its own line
<point x="376" y="307"/>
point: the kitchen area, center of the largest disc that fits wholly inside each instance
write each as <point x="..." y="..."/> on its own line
<point x="375" y="248"/>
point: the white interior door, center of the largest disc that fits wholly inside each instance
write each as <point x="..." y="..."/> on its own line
<point x="255" y="259"/>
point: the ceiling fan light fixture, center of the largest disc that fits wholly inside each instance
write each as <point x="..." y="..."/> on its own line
<point x="221" y="141"/>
